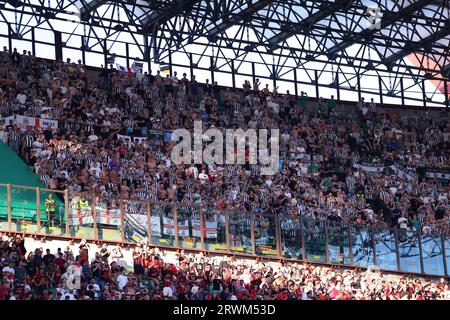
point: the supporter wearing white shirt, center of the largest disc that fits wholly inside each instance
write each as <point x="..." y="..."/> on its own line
<point x="167" y="292"/>
<point x="22" y="98"/>
<point x="122" y="280"/>
<point x="9" y="269"/>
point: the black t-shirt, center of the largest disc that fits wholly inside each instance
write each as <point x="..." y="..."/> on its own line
<point x="440" y="213"/>
<point x="48" y="134"/>
<point x="48" y="257"/>
<point x="216" y="284"/>
<point x="104" y="253"/>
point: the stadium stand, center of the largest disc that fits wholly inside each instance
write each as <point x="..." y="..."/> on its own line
<point x="370" y="176"/>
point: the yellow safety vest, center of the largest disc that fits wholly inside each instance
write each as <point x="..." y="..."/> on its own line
<point x="49" y="204"/>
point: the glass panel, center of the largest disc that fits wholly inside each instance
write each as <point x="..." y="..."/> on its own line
<point x="81" y="218"/>
<point x="189" y="227"/>
<point x="291" y="238"/>
<point x="53" y="213"/>
<point x="109" y="224"/>
<point x="3" y="208"/>
<point x="408" y="242"/>
<point x="215" y="230"/>
<point x="433" y="262"/>
<point x="362" y="246"/>
<point x="385" y="249"/>
<point x="265" y="235"/>
<point x="314" y="231"/>
<point x="23" y="210"/>
<point x="339" y="243"/>
<point x="240" y="232"/>
<point x="135" y="220"/>
<point x="163" y="227"/>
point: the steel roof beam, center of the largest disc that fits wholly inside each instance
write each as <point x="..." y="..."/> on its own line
<point x="291" y="29"/>
<point x="236" y="18"/>
<point x="88" y="7"/>
<point x="175" y="8"/>
<point x="388" y="19"/>
<point x="410" y="47"/>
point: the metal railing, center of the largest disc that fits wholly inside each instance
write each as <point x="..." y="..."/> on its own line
<point x="195" y="227"/>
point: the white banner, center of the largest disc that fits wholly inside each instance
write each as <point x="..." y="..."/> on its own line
<point x="211" y="229"/>
<point x="156" y="226"/>
<point x="168" y="227"/>
<point x="108" y="216"/>
<point x="196" y="228"/>
<point x="369" y="168"/>
<point x="183" y="228"/>
<point x="404" y="172"/>
<point x="24" y="121"/>
<point x="438" y="175"/>
<point x="134" y="139"/>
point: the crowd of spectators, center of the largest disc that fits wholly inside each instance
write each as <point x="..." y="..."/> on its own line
<point x="368" y="168"/>
<point x="86" y="271"/>
<point x="85" y="154"/>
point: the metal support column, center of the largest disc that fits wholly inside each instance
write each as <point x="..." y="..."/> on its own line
<point x="447" y="98"/>
<point x="303" y="238"/>
<point x="278" y="236"/>
<point x="295" y="82"/>
<point x="170" y="64"/>
<point x="33" y="42"/>
<point x="252" y="233"/>
<point x="373" y="246"/>
<point x="327" y="254"/>
<point x="175" y="222"/>
<point x="212" y="67"/>
<point x="422" y="269"/>
<point x="380" y="88"/>
<point x="149" y="222"/>
<point x="350" y="248"/>
<point x="227" y="229"/>
<point x="338" y="88"/>
<point x="66" y="206"/>
<point x="202" y="230"/>
<point x="127" y="54"/>
<point x="397" y="248"/>
<point x="253" y="74"/>
<point x="424" y="94"/>
<point x="446" y="271"/>
<point x="316" y="80"/>
<point x="233" y="74"/>
<point x="105" y="53"/>
<point x="274" y="76"/>
<point x="402" y="88"/>
<point x="38" y="210"/>
<point x="8" y="190"/>
<point x="191" y="67"/>
<point x="83" y="51"/>
<point x="359" y="86"/>
<point x="122" y="220"/>
<point x="94" y="215"/>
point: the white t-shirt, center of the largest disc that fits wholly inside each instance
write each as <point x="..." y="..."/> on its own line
<point x="9" y="270"/>
<point x="22" y="98"/>
<point x="71" y="296"/>
<point x="167" y="292"/>
<point x="122" y="281"/>
<point x="3" y="135"/>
